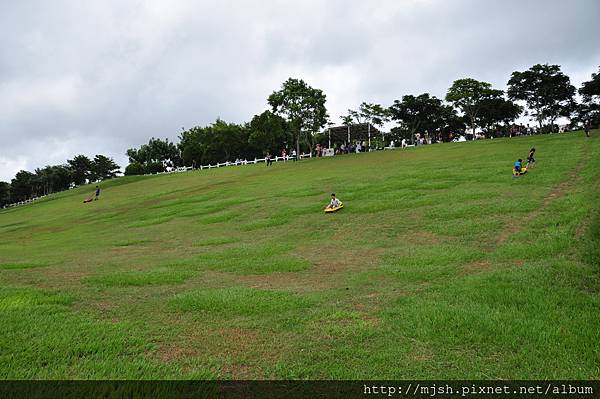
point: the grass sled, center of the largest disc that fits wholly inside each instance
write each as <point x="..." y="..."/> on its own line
<point x="337" y="208"/>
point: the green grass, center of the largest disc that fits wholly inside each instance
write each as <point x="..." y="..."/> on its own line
<point x="441" y="265"/>
<point x="153" y="277"/>
<point x="239" y="301"/>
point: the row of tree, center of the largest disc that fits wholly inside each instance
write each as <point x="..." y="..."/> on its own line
<point x="298" y="115"/>
<point x="54" y="178"/>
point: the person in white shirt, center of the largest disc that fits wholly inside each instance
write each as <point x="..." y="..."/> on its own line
<point x="334" y="203"/>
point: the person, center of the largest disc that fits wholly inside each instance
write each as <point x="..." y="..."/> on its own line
<point x="294" y="155"/>
<point x="518" y="166"/>
<point x="269" y="160"/>
<point x="97" y="193"/>
<point x="334" y="203"/>
<point x="530" y="157"/>
<point x="586" y="127"/>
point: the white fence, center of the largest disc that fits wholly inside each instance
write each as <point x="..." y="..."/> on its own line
<point x="25" y="202"/>
<point x="235" y="163"/>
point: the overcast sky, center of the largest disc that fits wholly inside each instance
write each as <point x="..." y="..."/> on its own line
<point x="98" y="77"/>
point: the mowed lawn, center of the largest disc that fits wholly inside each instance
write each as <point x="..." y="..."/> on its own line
<point x="441" y="265"/>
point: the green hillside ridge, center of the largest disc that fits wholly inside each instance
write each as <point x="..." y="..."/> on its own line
<point x="441" y="265"/>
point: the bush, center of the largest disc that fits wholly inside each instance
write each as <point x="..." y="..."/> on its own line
<point x="154" y="167"/>
<point x="135" y="168"/>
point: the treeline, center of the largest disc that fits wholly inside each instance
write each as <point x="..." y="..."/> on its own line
<point x="54" y="178"/>
<point x="298" y="116"/>
<point x="298" y="120"/>
<point x="218" y="142"/>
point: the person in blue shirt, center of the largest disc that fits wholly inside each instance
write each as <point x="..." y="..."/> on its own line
<point x="97" y="193"/>
<point x="518" y="165"/>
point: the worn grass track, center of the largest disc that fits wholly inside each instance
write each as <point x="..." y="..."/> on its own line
<point x="441" y="265"/>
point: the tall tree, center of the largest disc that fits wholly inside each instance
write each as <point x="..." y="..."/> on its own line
<point x="589" y="110"/>
<point x="81" y="168"/>
<point x="192" y="146"/>
<point x="229" y="140"/>
<point x="497" y="110"/>
<point x="418" y="114"/>
<point x="156" y="155"/>
<point x="547" y="92"/>
<point x="104" y="167"/>
<point x="267" y="132"/>
<point x="23" y="186"/>
<point x="302" y="106"/>
<point x="468" y="95"/>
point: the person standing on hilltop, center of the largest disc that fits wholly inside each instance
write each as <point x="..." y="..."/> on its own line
<point x="586" y="127"/>
<point x="97" y="193"/>
<point x="531" y="157"/>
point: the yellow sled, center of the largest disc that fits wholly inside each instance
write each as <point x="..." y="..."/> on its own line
<point x="523" y="171"/>
<point x="337" y="208"/>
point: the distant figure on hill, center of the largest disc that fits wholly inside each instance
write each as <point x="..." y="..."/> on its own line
<point x="586" y="127"/>
<point x="97" y="193"/>
<point x="530" y="157"/>
<point x="269" y="160"/>
<point x="294" y="155"/>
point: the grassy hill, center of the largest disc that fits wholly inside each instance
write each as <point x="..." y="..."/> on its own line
<point x="441" y="266"/>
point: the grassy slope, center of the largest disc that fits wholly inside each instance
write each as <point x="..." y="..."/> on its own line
<point x="440" y="266"/>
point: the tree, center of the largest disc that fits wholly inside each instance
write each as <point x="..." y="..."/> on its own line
<point x="450" y="122"/>
<point x="302" y="106"/>
<point x="23" y="186"/>
<point x="267" y="132"/>
<point x="547" y="92"/>
<point x="590" y="90"/>
<point x="81" y="169"/>
<point x="228" y="141"/>
<point x="4" y="193"/>
<point x="420" y="113"/>
<point x="497" y="109"/>
<point x="104" y="168"/>
<point x="157" y="151"/>
<point x="135" y="168"/>
<point x="191" y="145"/>
<point x="468" y="95"/>
<point x="589" y="110"/>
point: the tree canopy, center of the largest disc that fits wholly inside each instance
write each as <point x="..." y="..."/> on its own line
<point x="418" y="113"/>
<point x="469" y="96"/>
<point x="302" y="106"/>
<point x="547" y="92"/>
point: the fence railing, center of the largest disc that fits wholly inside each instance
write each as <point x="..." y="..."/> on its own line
<point x="24" y="202"/>
<point x="234" y="163"/>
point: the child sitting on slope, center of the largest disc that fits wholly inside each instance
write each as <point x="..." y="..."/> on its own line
<point x="334" y="203"/>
